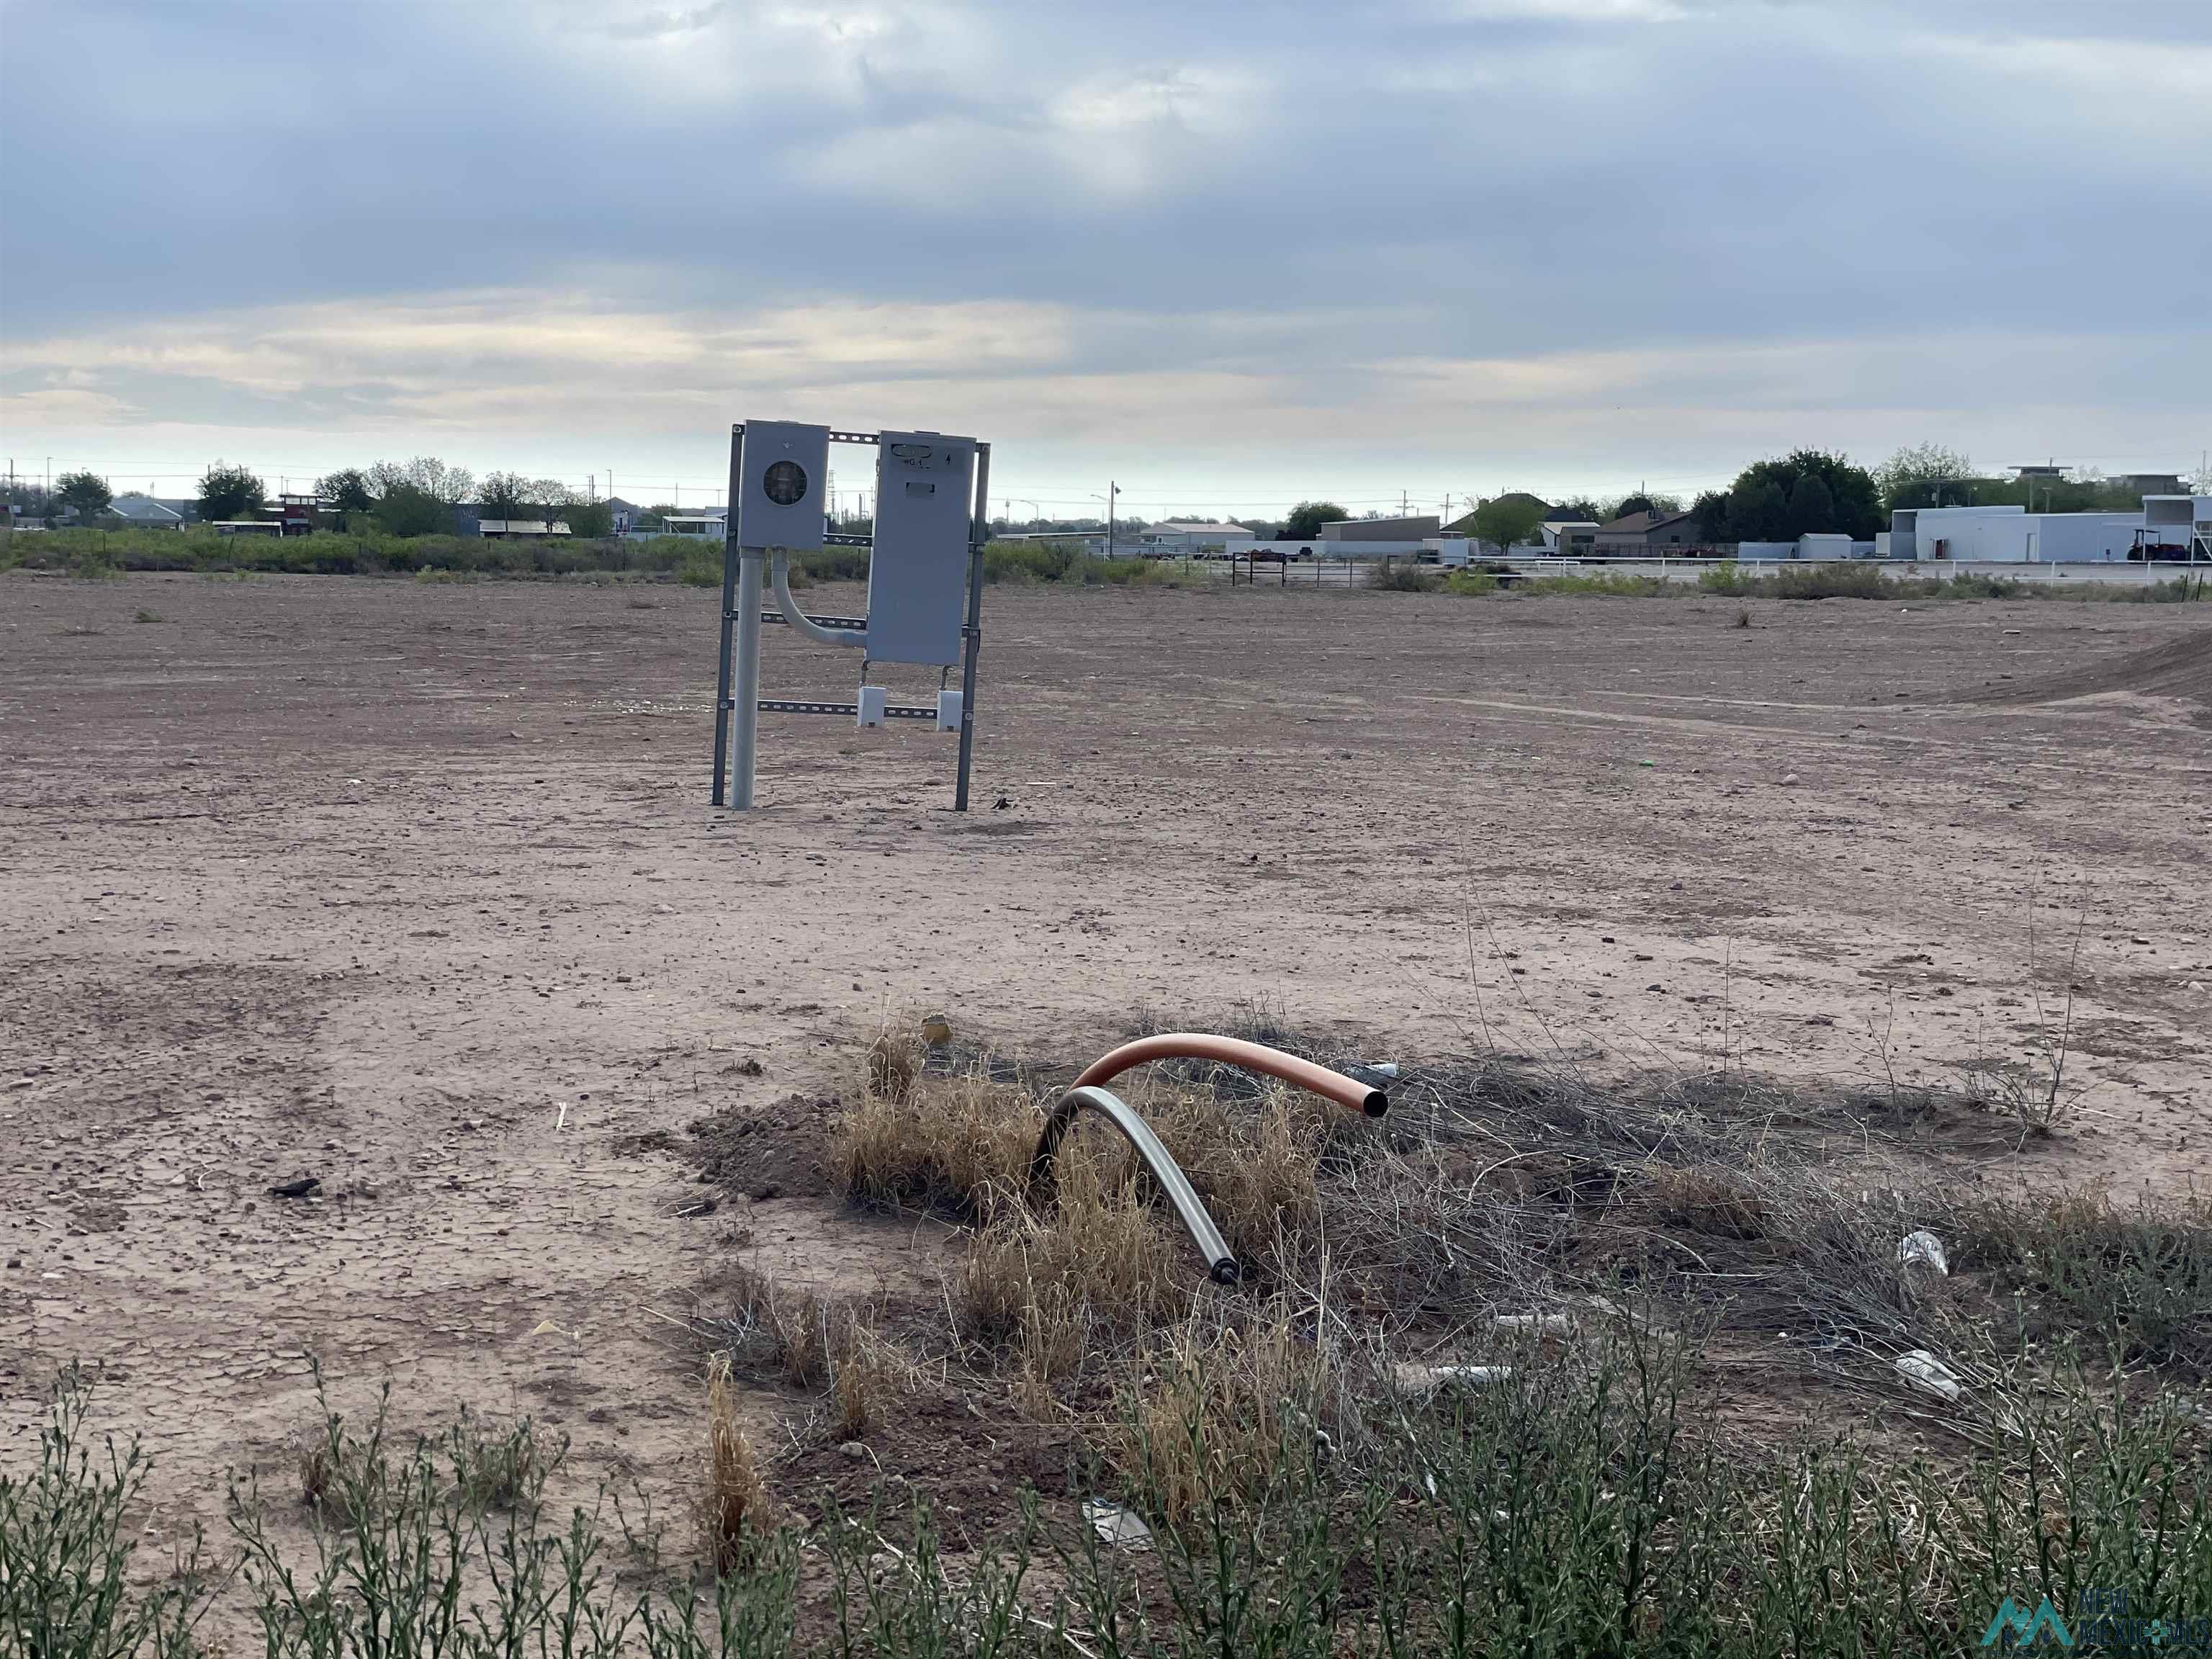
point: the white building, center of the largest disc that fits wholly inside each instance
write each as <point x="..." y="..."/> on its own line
<point x="2168" y="527"/>
<point x="1814" y="544"/>
<point x="2011" y="535"/>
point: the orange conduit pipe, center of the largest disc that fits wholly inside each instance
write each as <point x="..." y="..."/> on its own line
<point x="1346" y="1091"/>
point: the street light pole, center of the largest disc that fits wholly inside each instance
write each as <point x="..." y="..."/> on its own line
<point x="1112" y="491"/>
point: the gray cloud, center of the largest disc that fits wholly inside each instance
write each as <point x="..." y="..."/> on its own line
<point x="1822" y="222"/>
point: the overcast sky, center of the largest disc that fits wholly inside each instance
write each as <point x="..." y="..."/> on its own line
<point x="1228" y="254"/>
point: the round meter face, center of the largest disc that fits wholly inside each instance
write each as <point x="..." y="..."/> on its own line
<point x="785" y="483"/>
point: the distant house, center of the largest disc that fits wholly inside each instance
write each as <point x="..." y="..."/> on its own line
<point x="146" y="513"/>
<point x="1464" y="524"/>
<point x="1382" y="530"/>
<point x="1568" y="537"/>
<point x="712" y="526"/>
<point x="1648" y="533"/>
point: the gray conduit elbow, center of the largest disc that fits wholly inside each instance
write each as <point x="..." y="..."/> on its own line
<point x="1220" y="1264"/>
<point x="781" y="564"/>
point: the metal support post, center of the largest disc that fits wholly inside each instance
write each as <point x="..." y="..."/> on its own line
<point x="979" y="532"/>
<point x="729" y="617"/>
<point x="745" y="692"/>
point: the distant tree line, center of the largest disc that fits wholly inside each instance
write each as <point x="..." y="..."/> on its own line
<point x="418" y="498"/>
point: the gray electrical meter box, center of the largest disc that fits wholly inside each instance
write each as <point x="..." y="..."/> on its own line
<point x="918" y="572"/>
<point x="783" y="483"/>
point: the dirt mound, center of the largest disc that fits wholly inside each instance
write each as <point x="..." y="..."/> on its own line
<point x="2179" y="668"/>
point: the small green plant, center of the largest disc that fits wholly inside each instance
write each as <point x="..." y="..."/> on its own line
<point x="67" y="1537"/>
<point x="89" y="561"/>
<point x="1403" y="576"/>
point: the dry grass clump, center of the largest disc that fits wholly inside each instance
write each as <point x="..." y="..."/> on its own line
<point x="1098" y="1269"/>
<point x="1222" y="1411"/>
<point x="1707" y="1199"/>
<point x="1257" y="1165"/>
<point x="958" y="1144"/>
<point x="318" y="1473"/>
<point x="895" y="1060"/>
<point x="810" y="1344"/>
<point x="733" y="1509"/>
<point x="787" y="1330"/>
<point x="865" y="1374"/>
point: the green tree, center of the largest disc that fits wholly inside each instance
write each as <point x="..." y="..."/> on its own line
<point x="503" y="496"/>
<point x="1308" y="517"/>
<point x="406" y="509"/>
<point x="228" y="493"/>
<point x="87" y="492"/>
<point x="427" y="473"/>
<point x="1506" y="521"/>
<point x="1812" y="508"/>
<point x="346" y="493"/>
<point x="1757" y="515"/>
<point x="1924" y="475"/>
<point x="593" y="519"/>
<point x="548" y="499"/>
<point x="1758" y="510"/>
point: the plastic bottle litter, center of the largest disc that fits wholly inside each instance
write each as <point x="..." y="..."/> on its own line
<point x="1925" y="1372"/>
<point x="1116" y="1524"/>
<point x="1412" y="1378"/>
<point x="1535" y="1324"/>
<point x="1925" y="1248"/>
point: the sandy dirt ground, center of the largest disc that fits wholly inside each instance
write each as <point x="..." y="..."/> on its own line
<point x="415" y="889"/>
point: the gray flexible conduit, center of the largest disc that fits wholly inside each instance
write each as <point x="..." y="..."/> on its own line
<point x="780" y="575"/>
<point x="1219" y="1263"/>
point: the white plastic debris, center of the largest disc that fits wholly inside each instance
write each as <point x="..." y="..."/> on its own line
<point x="1413" y="1378"/>
<point x="1923" y="1248"/>
<point x="1535" y="1324"/>
<point x="1925" y="1372"/>
<point x="1116" y="1524"/>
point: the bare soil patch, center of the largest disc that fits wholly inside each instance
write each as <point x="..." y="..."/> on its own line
<point x="413" y="888"/>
